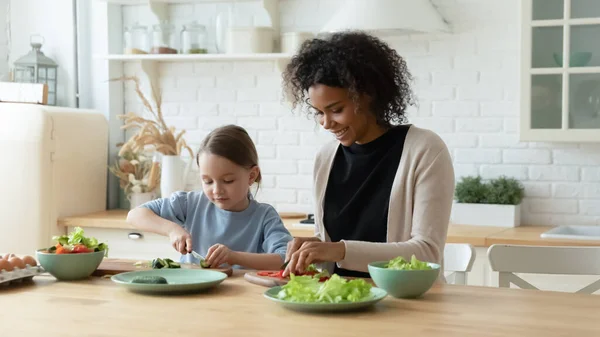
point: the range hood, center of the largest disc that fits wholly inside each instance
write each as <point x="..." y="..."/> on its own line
<point x="388" y="17"/>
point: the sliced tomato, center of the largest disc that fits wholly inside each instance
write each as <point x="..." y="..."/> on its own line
<point x="60" y="249"/>
<point x="81" y="248"/>
<point x="277" y="274"/>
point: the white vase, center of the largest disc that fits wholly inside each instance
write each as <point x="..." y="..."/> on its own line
<point x="137" y="199"/>
<point x="173" y="175"/>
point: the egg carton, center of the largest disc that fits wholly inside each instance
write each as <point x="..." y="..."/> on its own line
<point x="20" y="275"/>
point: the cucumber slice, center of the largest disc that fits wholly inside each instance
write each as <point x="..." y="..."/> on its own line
<point x="149" y="280"/>
<point x="159" y="263"/>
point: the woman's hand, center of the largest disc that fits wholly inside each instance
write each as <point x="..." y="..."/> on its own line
<point x="312" y="251"/>
<point x="180" y="240"/>
<point x="295" y="244"/>
<point x="219" y="254"/>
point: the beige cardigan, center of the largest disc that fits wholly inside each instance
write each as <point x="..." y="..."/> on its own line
<point x="419" y="209"/>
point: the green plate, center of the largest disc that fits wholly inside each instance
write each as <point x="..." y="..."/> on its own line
<point x="377" y="295"/>
<point x="179" y="280"/>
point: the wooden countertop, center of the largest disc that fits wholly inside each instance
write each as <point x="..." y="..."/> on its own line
<point x="98" y="307"/>
<point x="479" y="236"/>
<point x="115" y="219"/>
<point x="528" y="235"/>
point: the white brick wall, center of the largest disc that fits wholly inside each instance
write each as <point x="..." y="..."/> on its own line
<point x="3" y="41"/>
<point x="467" y="84"/>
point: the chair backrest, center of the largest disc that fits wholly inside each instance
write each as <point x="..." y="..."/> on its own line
<point x="458" y="261"/>
<point x="510" y="259"/>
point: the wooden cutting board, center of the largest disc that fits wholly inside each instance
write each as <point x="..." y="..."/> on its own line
<point x="265" y="281"/>
<point x="117" y="266"/>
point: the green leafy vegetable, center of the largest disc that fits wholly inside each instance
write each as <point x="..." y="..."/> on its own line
<point x="101" y="247"/>
<point x="400" y="263"/>
<point x="311" y="267"/>
<point x="335" y="290"/>
<point x="77" y="237"/>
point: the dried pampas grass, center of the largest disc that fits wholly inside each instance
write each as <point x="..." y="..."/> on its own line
<point x="155" y="132"/>
<point x="134" y="170"/>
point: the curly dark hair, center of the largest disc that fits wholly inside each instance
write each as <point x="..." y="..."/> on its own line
<point x="356" y="61"/>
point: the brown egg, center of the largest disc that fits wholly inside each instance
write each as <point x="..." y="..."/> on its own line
<point x="4" y="265"/>
<point x="16" y="262"/>
<point x="8" y="256"/>
<point x="30" y="261"/>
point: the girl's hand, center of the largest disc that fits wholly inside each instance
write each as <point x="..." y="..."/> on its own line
<point x="180" y="240"/>
<point x="219" y="254"/>
<point x="314" y="252"/>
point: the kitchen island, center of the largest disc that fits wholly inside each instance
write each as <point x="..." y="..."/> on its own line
<point x="111" y="226"/>
<point x="478" y="236"/>
<point x="98" y="307"/>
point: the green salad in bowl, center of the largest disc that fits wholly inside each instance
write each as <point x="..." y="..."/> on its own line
<point x="73" y="257"/>
<point x="403" y="278"/>
<point x="400" y="263"/>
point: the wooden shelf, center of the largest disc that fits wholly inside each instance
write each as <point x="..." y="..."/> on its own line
<point x="196" y="57"/>
<point x="148" y="61"/>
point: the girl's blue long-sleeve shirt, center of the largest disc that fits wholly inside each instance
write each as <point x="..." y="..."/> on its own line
<point x="257" y="229"/>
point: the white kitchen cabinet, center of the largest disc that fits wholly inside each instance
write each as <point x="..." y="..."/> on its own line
<point x="133" y="244"/>
<point x="560" y="71"/>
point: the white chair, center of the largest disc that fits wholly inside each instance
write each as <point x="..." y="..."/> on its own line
<point x="510" y="259"/>
<point x="458" y="261"/>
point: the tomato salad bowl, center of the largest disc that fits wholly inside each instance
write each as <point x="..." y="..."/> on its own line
<point x="73" y="257"/>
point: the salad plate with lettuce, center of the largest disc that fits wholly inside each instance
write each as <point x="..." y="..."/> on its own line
<point x="309" y="293"/>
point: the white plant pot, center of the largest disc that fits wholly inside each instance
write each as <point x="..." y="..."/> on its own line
<point x="137" y="199"/>
<point x="486" y="215"/>
<point x="173" y="175"/>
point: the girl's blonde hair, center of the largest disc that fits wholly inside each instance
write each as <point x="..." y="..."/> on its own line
<point x="234" y="143"/>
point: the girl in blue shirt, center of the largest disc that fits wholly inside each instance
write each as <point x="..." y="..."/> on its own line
<point x="223" y="221"/>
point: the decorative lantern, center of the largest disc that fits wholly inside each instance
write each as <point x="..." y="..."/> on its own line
<point x="35" y="67"/>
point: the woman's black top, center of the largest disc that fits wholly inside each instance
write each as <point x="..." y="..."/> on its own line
<point x="358" y="190"/>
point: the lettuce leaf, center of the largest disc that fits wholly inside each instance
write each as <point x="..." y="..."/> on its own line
<point x="400" y="263"/>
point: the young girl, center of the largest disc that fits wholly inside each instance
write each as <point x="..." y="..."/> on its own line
<point x="223" y="222"/>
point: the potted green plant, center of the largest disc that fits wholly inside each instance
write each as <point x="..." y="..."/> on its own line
<point x="496" y="202"/>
